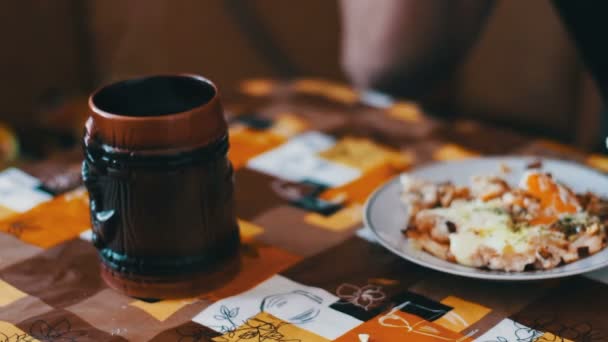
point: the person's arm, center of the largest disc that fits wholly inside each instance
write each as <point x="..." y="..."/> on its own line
<point x="405" y="46"/>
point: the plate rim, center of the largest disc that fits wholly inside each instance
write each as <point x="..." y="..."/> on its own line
<point x="505" y="276"/>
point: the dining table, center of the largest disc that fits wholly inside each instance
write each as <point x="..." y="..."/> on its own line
<point x="307" y="153"/>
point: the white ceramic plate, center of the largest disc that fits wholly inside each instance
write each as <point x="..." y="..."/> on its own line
<point x="385" y="214"/>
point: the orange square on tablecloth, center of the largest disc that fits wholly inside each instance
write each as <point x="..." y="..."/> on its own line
<point x="310" y="86"/>
<point x="463" y="315"/>
<point x="400" y="326"/>
<point x="257" y="87"/>
<point x="246" y="143"/>
<point x="51" y="222"/>
<point x="358" y="190"/>
<point x="258" y="262"/>
<point x="557" y="146"/>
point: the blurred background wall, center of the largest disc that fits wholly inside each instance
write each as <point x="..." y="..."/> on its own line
<point x="63" y="47"/>
<point x="57" y="51"/>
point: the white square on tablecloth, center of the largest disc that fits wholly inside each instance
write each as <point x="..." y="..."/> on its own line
<point x="297" y="160"/>
<point x="304" y="306"/>
<point x="18" y="190"/>
<point x="509" y="330"/>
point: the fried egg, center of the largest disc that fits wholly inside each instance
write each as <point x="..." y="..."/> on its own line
<point x="484" y="224"/>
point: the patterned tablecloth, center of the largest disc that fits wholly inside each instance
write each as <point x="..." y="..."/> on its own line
<point x="307" y="154"/>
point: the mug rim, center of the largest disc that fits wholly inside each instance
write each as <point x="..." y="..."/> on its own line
<point x="168" y="116"/>
<point x="197" y="126"/>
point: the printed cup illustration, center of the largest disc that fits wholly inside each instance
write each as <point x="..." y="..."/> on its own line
<point x="296" y="307"/>
<point x="160" y="186"/>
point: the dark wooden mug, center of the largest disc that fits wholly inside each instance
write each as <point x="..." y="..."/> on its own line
<point x="160" y="186"/>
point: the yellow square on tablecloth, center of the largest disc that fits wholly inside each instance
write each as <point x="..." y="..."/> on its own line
<point x="288" y="125"/>
<point x="453" y="152"/>
<point x="364" y="154"/>
<point x="9" y="332"/>
<point x="163" y="309"/>
<point x="9" y="293"/>
<point x="331" y="90"/>
<point x="405" y="111"/>
<point x="549" y="337"/>
<point x="598" y="161"/>
<point x="249" y="230"/>
<point x="338" y="221"/>
<point x="6" y="212"/>
<point x="266" y="327"/>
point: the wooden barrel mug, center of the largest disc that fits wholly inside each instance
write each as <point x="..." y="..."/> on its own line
<point x="160" y="186"/>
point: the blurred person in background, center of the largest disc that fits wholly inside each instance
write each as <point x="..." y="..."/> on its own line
<point x="508" y="67"/>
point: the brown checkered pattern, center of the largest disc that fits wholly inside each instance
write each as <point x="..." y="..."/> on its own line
<point x="55" y="293"/>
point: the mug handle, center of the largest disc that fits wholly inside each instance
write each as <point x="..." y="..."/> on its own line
<point x="102" y="220"/>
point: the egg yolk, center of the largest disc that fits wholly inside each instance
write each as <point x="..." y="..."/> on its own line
<point x="555" y="199"/>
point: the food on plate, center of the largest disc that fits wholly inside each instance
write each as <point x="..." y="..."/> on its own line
<point x="536" y="225"/>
